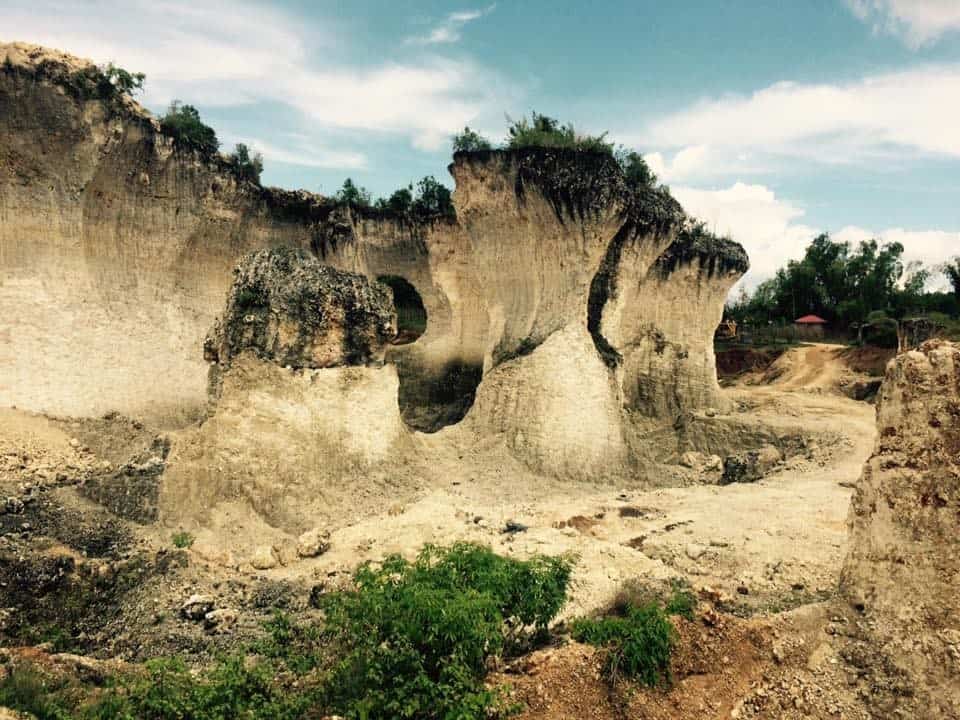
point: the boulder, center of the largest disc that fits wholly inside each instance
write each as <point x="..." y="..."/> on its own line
<point x="196" y="607"/>
<point x="312" y="543"/>
<point x="287" y="307"/>
<point x="264" y="558"/>
<point x="750" y="466"/>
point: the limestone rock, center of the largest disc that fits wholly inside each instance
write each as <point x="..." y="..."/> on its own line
<point x="750" y="466"/>
<point x="220" y="621"/>
<point x="312" y="543"/>
<point x="287" y="307"/>
<point x="264" y="558"/>
<point x="196" y="607"/>
<point x="904" y="550"/>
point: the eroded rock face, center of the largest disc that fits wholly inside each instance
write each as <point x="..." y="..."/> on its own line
<point x="286" y="307"/>
<point x="903" y="568"/>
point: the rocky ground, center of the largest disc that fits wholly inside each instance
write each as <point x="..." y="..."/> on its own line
<point x="763" y="556"/>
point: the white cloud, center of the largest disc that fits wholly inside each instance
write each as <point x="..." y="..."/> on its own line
<point x="917" y="22"/>
<point x="882" y="116"/>
<point x="685" y="162"/>
<point x="769" y="228"/>
<point x="448" y="31"/>
<point x="305" y="154"/>
<point x="773" y="232"/>
<point x="233" y="53"/>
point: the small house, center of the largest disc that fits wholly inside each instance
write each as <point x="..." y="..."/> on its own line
<point x="809" y="327"/>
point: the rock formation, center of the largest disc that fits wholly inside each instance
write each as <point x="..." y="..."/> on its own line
<point x="300" y="398"/>
<point x="563" y="306"/>
<point x="903" y="568"/>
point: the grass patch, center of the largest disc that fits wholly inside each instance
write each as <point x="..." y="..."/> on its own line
<point x="182" y="539"/>
<point x="638" y="640"/>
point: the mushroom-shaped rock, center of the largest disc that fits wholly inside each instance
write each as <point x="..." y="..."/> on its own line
<point x="287" y="307"/>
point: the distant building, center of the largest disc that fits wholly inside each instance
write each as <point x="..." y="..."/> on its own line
<point x="809" y="326"/>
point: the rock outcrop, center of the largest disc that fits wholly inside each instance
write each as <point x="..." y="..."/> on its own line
<point x="903" y="568"/>
<point x="557" y="282"/>
<point x="300" y="400"/>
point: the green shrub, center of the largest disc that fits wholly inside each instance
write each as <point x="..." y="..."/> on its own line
<point x="635" y="169"/>
<point x="26" y="690"/>
<point x="414" y="638"/>
<point x="182" y="539"/>
<point x="543" y="131"/>
<point x="183" y="124"/>
<point x="399" y="203"/>
<point x="353" y="195"/>
<point x="433" y="200"/>
<point x="123" y="81"/>
<point x="469" y="141"/>
<point x="682" y="602"/>
<point x="638" y="645"/>
<point x="246" y="167"/>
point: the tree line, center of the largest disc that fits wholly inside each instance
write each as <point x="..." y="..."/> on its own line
<point x="848" y="285"/>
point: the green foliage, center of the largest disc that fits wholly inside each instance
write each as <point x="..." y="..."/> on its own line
<point x="470" y="141"/>
<point x="244" y="166"/>
<point x="843" y="284"/>
<point x="543" y="131"/>
<point x="123" y="81"/>
<point x="182" y="539"/>
<point x="682" y="601"/>
<point x="952" y="271"/>
<point x="28" y="691"/>
<point x="635" y="169"/>
<point x="433" y="200"/>
<point x="399" y="203"/>
<point x="353" y="195"/>
<point x="414" y="638"/>
<point x="183" y="124"/>
<point x="638" y="644"/>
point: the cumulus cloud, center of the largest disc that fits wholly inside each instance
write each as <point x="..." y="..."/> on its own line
<point x="769" y="228"/>
<point x="917" y="22"/>
<point x="448" y="31"/>
<point x="881" y="116"/>
<point x="304" y="153"/>
<point x="233" y="53"/>
<point x="773" y="232"/>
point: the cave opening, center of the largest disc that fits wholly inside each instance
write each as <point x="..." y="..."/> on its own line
<point x="411" y="314"/>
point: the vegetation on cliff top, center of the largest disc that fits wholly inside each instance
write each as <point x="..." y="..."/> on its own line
<point x="432" y="200"/>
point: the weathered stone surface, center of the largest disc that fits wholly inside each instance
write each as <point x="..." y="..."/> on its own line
<point x="903" y="564"/>
<point x="750" y="466"/>
<point x="287" y="307"/>
<point x="312" y="543"/>
<point x="196" y="607"/>
<point x="264" y="558"/>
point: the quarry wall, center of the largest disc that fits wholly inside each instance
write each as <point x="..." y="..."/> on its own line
<point x="117" y="250"/>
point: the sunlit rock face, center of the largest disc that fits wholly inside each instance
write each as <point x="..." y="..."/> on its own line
<point x="120" y="248"/>
<point x="903" y="566"/>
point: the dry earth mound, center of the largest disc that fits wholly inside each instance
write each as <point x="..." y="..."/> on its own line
<point x="903" y="568"/>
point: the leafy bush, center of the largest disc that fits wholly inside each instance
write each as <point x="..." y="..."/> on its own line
<point x="415" y="638"/>
<point x="543" y="131"/>
<point x="635" y="169"/>
<point x="433" y="199"/>
<point x="244" y="166"/>
<point x="469" y="141"/>
<point x="638" y="645"/>
<point x="183" y="124"/>
<point x="182" y="539"/>
<point x="123" y="81"/>
<point x="399" y="203"/>
<point x="28" y="691"/>
<point x="353" y="195"/>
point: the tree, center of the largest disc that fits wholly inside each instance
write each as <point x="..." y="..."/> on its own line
<point x="635" y="169"/>
<point x="124" y="82"/>
<point x="246" y="167"/>
<point x="433" y="199"/>
<point x="952" y="271"/>
<point x="400" y="202"/>
<point x="470" y="141"/>
<point x="183" y="124"/>
<point x="353" y="195"/>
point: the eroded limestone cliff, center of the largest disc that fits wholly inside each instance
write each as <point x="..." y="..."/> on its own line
<point x="564" y="302"/>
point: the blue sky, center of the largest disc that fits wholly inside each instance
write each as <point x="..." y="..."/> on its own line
<point x="771" y="120"/>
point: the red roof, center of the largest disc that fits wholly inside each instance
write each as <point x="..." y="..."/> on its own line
<point x="810" y="320"/>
